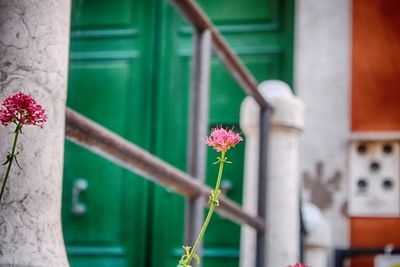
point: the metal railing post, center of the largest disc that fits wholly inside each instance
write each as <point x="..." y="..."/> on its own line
<point x="261" y="250"/>
<point x="198" y="18"/>
<point x="198" y="126"/>
<point x="191" y="185"/>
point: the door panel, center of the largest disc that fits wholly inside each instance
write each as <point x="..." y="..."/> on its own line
<point x="104" y="13"/>
<point x="240" y="12"/>
<point x="108" y="81"/>
<point x="262" y="36"/>
<point x="130" y="66"/>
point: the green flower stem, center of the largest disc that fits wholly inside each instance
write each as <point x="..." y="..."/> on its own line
<point x="213" y="204"/>
<point x="11" y="157"/>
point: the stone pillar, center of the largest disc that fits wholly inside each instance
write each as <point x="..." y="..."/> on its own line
<point x="34" y="41"/>
<point x="283" y="184"/>
<point x="318" y="239"/>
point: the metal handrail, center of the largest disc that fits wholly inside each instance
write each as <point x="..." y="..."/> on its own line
<point x="120" y="151"/>
<point x="101" y="141"/>
<point x="197" y="17"/>
<point x="201" y="23"/>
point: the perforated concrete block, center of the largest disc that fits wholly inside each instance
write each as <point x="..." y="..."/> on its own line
<point x="374" y="179"/>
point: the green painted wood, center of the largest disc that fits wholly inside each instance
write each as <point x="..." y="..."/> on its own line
<point x="104" y="13"/>
<point x="210" y="252"/>
<point x="130" y="64"/>
<point x="241" y="12"/>
<point x="109" y="77"/>
<point x="261" y="33"/>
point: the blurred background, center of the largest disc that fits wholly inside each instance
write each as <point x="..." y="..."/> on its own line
<point x="129" y="70"/>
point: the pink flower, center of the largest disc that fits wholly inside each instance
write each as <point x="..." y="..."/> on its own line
<point x="298" y="265"/>
<point x="23" y="109"/>
<point x="222" y="140"/>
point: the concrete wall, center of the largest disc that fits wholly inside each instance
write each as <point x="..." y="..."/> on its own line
<point x="322" y="81"/>
<point x="34" y="40"/>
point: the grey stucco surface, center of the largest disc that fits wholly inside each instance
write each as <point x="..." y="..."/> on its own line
<point x="34" y="40"/>
<point x="322" y="81"/>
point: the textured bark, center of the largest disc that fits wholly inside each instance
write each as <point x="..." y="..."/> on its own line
<point x="34" y="39"/>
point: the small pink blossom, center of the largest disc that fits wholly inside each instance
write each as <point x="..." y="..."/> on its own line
<point x="222" y="139"/>
<point x="21" y="108"/>
<point x="299" y="265"/>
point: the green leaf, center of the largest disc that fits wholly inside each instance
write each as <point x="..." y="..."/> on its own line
<point x="197" y="258"/>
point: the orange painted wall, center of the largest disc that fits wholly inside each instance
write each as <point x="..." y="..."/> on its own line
<point x="375" y="104"/>
<point x="376" y="66"/>
<point x="375" y="101"/>
<point x="374" y="233"/>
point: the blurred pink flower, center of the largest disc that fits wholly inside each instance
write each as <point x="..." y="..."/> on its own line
<point x="23" y="109"/>
<point x="222" y="140"/>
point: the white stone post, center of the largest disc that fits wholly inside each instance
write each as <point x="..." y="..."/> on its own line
<point x="283" y="183"/>
<point x="318" y="238"/>
<point x="34" y="41"/>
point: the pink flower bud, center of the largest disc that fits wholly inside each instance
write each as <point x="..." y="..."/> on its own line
<point x="222" y="140"/>
<point x="23" y="109"/>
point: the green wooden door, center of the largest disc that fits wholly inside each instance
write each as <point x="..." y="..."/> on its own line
<point x="261" y="33"/>
<point x="130" y="68"/>
<point x="109" y="82"/>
